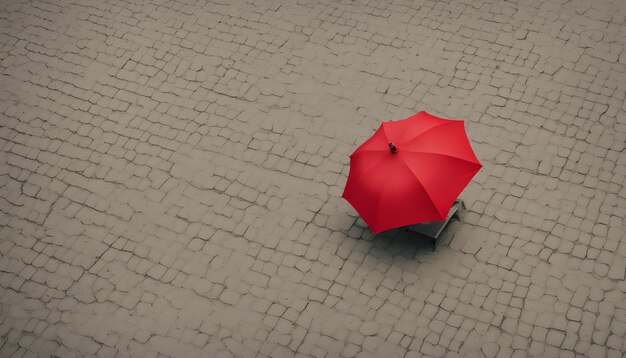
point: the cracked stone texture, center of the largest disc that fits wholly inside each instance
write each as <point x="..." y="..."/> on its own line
<point x="171" y="173"/>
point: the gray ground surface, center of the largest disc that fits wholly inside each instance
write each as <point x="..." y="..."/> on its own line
<point x="171" y="173"/>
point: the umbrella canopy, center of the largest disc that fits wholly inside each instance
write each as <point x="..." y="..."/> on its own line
<point x="410" y="171"/>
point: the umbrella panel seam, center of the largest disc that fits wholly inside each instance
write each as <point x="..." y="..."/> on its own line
<point x="448" y="122"/>
<point x="445" y="155"/>
<point x="423" y="188"/>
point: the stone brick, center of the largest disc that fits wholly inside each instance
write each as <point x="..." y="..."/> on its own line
<point x="179" y="181"/>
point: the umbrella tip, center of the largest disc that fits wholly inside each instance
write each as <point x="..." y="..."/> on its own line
<point x="392" y="147"/>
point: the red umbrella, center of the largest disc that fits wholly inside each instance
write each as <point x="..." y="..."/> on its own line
<point x="410" y="171"/>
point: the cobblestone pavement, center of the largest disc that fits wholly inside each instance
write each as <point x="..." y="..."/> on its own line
<point x="171" y="177"/>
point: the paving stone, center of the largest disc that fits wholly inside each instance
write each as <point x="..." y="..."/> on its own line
<point x="229" y="297"/>
<point x="155" y="164"/>
<point x="369" y="328"/>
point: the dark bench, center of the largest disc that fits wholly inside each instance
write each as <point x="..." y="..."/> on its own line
<point x="434" y="229"/>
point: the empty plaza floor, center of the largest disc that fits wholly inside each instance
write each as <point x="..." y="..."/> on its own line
<point x="171" y="175"/>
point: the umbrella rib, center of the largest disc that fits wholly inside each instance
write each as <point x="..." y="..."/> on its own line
<point x="448" y="122"/>
<point x="356" y="178"/>
<point x="369" y="151"/>
<point x="382" y="126"/>
<point x="380" y="198"/>
<point x="443" y="155"/>
<point x="424" y="188"/>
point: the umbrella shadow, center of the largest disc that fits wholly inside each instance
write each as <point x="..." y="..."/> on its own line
<point x="410" y="245"/>
<point x="396" y="243"/>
